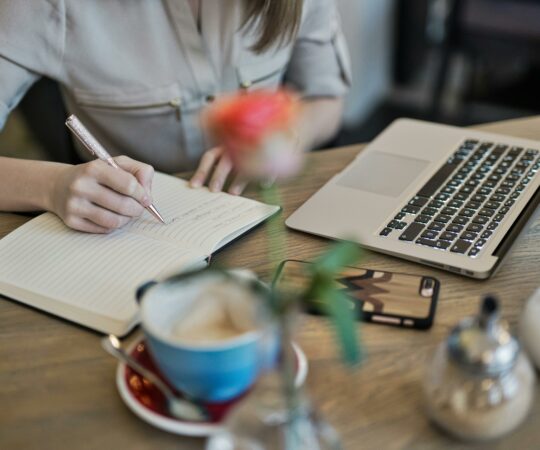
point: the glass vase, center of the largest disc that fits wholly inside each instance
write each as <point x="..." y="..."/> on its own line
<point x="277" y="414"/>
<point x="268" y="420"/>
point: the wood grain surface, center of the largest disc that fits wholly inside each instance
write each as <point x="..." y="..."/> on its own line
<point x="57" y="386"/>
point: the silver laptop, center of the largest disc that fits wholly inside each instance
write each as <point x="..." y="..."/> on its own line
<point x="448" y="197"/>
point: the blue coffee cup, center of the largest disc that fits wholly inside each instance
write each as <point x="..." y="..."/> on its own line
<point x="207" y="371"/>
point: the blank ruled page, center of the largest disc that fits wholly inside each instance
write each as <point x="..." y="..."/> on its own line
<point x="198" y="218"/>
<point x="97" y="273"/>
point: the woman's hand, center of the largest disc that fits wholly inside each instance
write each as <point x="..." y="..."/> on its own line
<point x="216" y="168"/>
<point x="97" y="198"/>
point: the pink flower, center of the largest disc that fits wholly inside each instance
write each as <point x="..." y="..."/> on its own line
<point x="256" y="130"/>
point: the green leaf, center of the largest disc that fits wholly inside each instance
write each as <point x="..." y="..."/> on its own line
<point x="338" y="306"/>
<point x="340" y="255"/>
<point x="332" y="301"/>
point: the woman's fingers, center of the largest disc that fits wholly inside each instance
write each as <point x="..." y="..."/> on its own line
<point x="80" y="224"/>
<point x="238" y="185"/>
<point x="143" y="172"/>
<point x="97" y="198"/>
<point x="208" y="161"/>
<point x="221" y="172"/>
<point x="118" y="180"/>
<point x="111" y="200"/>
<point x="102" y="217"/>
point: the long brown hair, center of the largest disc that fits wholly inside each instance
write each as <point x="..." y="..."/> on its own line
<point x="277" y="21"/>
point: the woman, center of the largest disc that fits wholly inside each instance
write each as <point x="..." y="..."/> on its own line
<point x="138" y="73"/>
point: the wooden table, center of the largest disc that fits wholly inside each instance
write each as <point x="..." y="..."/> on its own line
<point x="57" y="386"/>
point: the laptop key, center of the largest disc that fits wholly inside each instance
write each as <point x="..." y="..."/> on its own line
<point x="436" y="226"/>
<point x="484" y="191"/>
<point x="504" y="210"/>
<point x="448" y="236"/>
<point x="399" y="216"/>
<point x="436" y="204"/>
<point x="492" y="205"/>
<point x="410" y="209"/>
<point x="480" y="243"/>
<point x="429" y="234"/>
<point x="461" y="220"/>
<point x="424" y="241"/>
<point x="442" y="245"/>
<point x="473" y="205"/>
<point x="442" y="197"/>
<point x="386" y="231"/>
<point x="455" y="203"/>
<point x="449" y="190"/>
<point x="460" y="246"/>
<point x="443" y="218"/>
<point x="449" y="211"/>
<point x="474" y="252"/>
<point x="475" y="228"/>
<point x="492" y="226"/>
<point x="482" y="220"/>
<point x="422" y="218"/>
<point x="467" y="212"/>
<point x="486" y="212"/>
<point x="515" y="151"/>
<point x="419" y="201"/>
<point x="454" y="228"/>
<point x="412" y="231"/>
<point x="498" y="217"/>
<point x="430" y="211"/>
<point x="392" y="224"/>
<point x="478" y="198"/>
<point x="486" y="234"/>
<point x="461" y="196"/>
<point x="468" y="236"/>
<point x="438" y="179"/>
<point x="497" y="198"/>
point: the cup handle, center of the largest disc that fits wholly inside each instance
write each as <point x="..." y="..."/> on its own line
<point x="141" y="290"/>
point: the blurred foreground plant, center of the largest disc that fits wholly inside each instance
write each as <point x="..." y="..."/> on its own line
<point x="257" y="130"/>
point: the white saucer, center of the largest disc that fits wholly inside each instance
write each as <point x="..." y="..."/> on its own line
<point x="173" y="425"/>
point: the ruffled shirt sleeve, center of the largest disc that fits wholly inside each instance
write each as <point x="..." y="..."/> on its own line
<point x="320" y="62"/>
<point x="31" y="44"/>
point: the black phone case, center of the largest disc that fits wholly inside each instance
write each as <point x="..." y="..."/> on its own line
<point x="421" y="323"/>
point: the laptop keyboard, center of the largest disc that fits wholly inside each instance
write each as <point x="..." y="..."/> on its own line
<point x="464" y="202"/>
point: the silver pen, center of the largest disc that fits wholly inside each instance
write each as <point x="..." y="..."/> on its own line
<point x="94" y="147"/>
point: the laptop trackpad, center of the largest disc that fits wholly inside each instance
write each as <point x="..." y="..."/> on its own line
<point x="383" y="173"/>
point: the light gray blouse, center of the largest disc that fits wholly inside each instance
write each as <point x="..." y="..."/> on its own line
<point x="138" y="72"/>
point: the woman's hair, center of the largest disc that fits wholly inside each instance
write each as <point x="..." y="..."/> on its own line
<point x="277" y="21"/>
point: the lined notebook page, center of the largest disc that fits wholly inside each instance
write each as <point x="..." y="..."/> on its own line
<point x="197" y="218"/>
<point x="97" y="273"/>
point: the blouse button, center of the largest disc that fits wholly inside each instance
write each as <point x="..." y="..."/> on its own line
<point x="210" y="98"/>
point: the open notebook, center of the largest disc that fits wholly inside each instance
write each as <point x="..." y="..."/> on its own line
<point x="92" y="279"/>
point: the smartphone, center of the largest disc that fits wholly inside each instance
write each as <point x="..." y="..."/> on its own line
<point x="395" y="299"/>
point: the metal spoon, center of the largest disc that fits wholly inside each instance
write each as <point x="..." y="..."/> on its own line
<point x="177" y="407"/>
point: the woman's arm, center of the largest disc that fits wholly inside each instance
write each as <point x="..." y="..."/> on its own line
<point x="26" y="185"/>
<point x="320" y="120"/>
<point x="91" y="197"/>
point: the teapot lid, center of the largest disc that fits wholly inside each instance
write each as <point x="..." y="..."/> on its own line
<point x="483" y="344"/>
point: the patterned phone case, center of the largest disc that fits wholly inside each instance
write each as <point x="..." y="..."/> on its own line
<point x="382" y="297"/>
